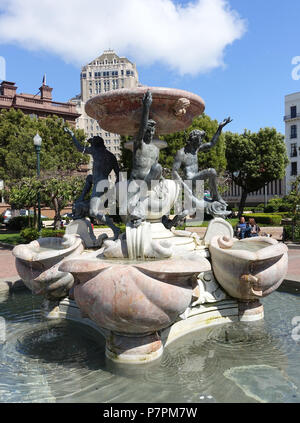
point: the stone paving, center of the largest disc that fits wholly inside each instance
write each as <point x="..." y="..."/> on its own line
<point x="9" y="277"/>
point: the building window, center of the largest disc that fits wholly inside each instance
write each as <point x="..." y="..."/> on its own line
<point x="84" y="75"/>
<point x="294" y="150"/>
<point x="293" y="111"/>
<point x="294" y="170"/>
<point x="294" y="131"/>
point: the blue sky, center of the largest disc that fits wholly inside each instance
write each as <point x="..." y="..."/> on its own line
<point x="250" y="86"/>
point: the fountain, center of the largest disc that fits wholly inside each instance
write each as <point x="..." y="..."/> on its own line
<point x="146" y="288"/>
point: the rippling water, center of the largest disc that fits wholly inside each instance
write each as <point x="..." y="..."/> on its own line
<point x="61" y="361"/>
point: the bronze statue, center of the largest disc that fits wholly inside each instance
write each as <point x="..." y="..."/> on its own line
<point x="103" y="163"/>
<point x="145" y="163"/>
<point x="187" y="159"/>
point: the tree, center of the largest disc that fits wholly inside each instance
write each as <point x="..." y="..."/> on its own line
<point x="59" y="191"/>
<point x="23" y="195"/>
<point x="56" y="192"/>
<point x="255" y="159"/>
<point x="293" y="198"/>
<point x="17" y="152"/>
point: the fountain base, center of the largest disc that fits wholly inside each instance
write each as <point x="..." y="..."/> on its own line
<point x="134" y="349"/>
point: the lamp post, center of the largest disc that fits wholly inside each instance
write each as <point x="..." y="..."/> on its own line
<point x="37" y="140"/>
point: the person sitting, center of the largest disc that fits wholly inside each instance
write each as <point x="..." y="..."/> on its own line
<point x="255" y="229"/>
<point x="242" y="229"/>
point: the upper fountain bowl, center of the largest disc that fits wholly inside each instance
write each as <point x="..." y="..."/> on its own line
<point x="120" y="111"/>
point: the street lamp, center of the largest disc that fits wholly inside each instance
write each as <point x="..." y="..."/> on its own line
<point x="37" y="141"/>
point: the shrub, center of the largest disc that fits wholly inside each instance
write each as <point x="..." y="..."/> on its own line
<point x="47" y="233"/>
<point x="20" y="222"/>
<point x="1" y="218"/>
<point x="288" y="233"/>
<point x="285" y="208"/>
<point x="265" y="219"/>
<point x="29" y="234"/>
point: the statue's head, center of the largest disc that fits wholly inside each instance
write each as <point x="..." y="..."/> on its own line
<point x="196" y="136"/>
<point x="150" y="131"/>
<point x="96" y="141"/>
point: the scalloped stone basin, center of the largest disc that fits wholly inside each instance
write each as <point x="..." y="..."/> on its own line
<point x="250" y="268"/>
<point x="120" y="111"/>
<point x="37" y="264"/>
<point x="133" y="300"/>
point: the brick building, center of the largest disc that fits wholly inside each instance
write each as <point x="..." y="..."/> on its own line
<point x="40" y="105"/>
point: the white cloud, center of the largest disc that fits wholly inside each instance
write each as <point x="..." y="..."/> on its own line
<point x="188" y="38"/>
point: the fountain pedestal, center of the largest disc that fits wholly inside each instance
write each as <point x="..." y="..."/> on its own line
<point x="123" y="348"/>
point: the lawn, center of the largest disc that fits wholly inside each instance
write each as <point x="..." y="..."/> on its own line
<point x="8" y="238"/>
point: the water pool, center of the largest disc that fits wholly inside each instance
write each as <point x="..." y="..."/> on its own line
<point x="63" y="361"/>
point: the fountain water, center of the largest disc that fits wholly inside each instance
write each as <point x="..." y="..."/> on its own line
<point x="151" y="286"/>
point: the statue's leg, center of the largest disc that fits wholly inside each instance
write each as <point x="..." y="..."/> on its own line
<point x="109" y="222"/>
<point x="95" y="211"/>
<point x="87" y="187"/>
<point x="211" y="175"/>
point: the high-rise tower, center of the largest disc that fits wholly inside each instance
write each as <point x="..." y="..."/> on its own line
<point x="105" y="73"/>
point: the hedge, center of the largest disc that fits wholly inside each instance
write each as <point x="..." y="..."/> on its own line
<point x="19" y="222"/>
<point x="265" y="219"/>
<point x="30" y="234"/>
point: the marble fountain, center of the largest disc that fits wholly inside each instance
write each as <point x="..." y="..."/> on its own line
<point x="150" y="286"/>
<point x="154" y="314"/>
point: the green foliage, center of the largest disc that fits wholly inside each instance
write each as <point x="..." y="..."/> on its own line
<point x="19" y="222"/>
<point x="56" y="192"/>
<point x="17" y="152"/>
<point x="23" y="194"/>
<point x="274" y="205"/>
<point x="264" y="218"/>
<point x="293" y="199"/>
<point x="48" y="233"/>
<point x="259" y="158"/>
<point x="10" y="238"/>
<point x="59" y="191"/>
<point x="29" y="234"/>
<point x="288" y="233"/>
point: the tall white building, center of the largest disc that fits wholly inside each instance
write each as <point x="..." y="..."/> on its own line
<point x="105" y="73"/>
<point x="292" y="137"/>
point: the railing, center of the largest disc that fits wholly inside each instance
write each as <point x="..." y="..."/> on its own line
<point x="7" y="99"/>
<point x="295" y="116"/>
<point x="46" y="105"/>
